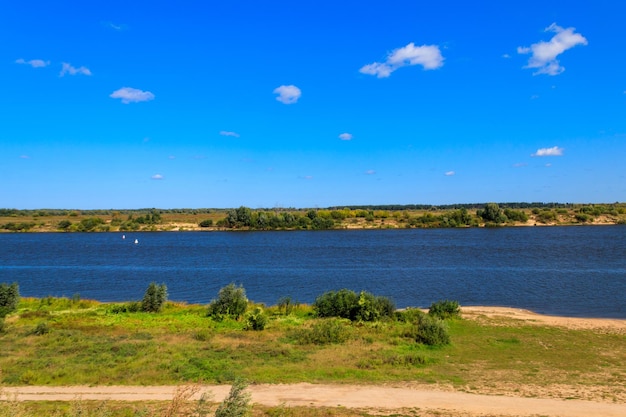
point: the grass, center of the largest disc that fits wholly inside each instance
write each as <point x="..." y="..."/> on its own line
<point x="84" y="343"/>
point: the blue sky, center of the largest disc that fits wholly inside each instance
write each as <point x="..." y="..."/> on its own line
<point x="110" y="104"/>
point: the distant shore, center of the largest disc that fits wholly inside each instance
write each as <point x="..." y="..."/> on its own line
<point x="371" y="217"/>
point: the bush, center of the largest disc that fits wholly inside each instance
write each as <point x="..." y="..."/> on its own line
<point x="154" y="298"/>
<point x="206" y="223"/>
<point x="41" y="329"/>
<point x="132" y="307"/>
<point x="9" y="298"/>
<point x="347" y="304"/>
<point x="237" y="404"/>
<point x="445" y="309"/>
<point x="256" y="319"/>
<point x="231" y="301"/>
<point x="3" y="326"/>
<point x="324" y="332"/>
<point x="431" y="331"/>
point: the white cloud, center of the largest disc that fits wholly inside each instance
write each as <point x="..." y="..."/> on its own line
<point x="69" y="69"/>
<point x="548" y="165"/>
<point x="308" y="177"/>
<point x="171" y="157"/>
<point x="428" y="56"/>
<point x="553" y="151"/>
<point x="24" y="157"/>
<point x="157" y="177"/>
<point x="288" y="94"/>
<point x="450" y="173"/>
<point x="132" y="95"/>
<point x="370" y="172"/>
<point x="507" y="56"/>
<point x="227" y="133"/>
<point x="520" y="165"/>
<point x="345" y="136"/>
<point x="35" y="63"/>
<point x="544" y="54"/>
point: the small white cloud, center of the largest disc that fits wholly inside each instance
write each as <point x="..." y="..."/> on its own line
<point x="132" y="95"/>
<point x="69" y="69"/>
<point x="227" y="133"/>
<point x="370" y="172"/>
<point x="544" y="54"/>
<point x="171" y="157"/>
<point x="288" y="94"/>
<point x="548" y="165"/>
<point x="534" y="97"/>
<point x="507" y="56"/>
<point x="428" y="56"/>
<point x="308" y="177"/>
<point x="35" y="63"/>
<point x="553" y="151"/>
<point x="24" y="157"/>
<point x="450" y="173"/>
<point x="520" y="164"/>
<point x="157" y="177"/>
<point x="115" y="26"/>
<point x="345" y="136"/>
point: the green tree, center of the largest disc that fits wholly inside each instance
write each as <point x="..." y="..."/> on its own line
<point x="231" y="301"/>
<point x="492" y="213"/>
<point x="154" y="298"/>
<point x="9" y="298"/>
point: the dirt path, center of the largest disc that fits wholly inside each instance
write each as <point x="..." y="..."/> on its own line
<point x="375" y="398"/>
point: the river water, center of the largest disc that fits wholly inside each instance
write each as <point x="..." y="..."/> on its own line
<point x="577" y="271"/>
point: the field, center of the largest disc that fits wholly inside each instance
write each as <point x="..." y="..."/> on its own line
<point x="58" y="342"/>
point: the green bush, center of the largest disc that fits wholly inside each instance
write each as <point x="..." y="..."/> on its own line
<point x="349" y="305"/>
<point x="3" y="326"/>
<point x="132" y="307"/>
<point x="154" y="298"/>
<point x="206" y="223"/>
<point x="237" y="404"/>
<point x="256" y="319"/>
<point x="231" y="302"/>
<point x="431" y="331"/>
<point x="445" y="309"/>
<point x="323" y="332"/>
<point x="41" y="329"/>
<point x="9" y="298"/>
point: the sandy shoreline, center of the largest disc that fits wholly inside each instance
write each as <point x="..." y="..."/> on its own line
<point x="529" y="317"/>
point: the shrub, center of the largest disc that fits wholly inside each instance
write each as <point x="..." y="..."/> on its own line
<point x="9" y="298"/>
<point x="286" y="305"/>
<point x="445" y="309"/>
<point x="41" y="329"/>
<point x="3" y="326"/>
<point x="256" y="319"/>
<point x="324" y="332"/>
<point x="206" y="223"/>
<point x="347" y="304"/>
<point x="154" y="298"/>
<point x="431" y="331"/>
<point x="237" y="404"/>
<point x="132" y="307"/>
<point x="231" y="301"/>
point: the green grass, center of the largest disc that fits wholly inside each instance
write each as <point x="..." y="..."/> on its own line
<point x="87" y="344"/>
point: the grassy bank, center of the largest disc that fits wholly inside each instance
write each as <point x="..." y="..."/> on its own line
<point x="69" y="342"/>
